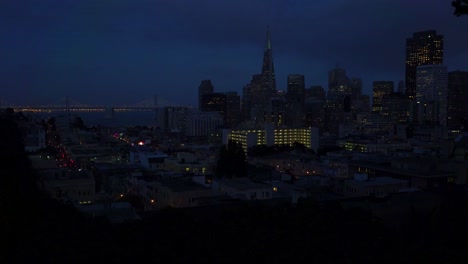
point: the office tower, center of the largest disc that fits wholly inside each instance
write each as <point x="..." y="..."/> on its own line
<point x="199" y="123"/>
<point x="356" y="88"/>
<point x="263" y="86"/>
<point x="424" y="48"/>
<point x="457" y="97"/>
<point x="361" y="104"/>
<point x="213" y="102"/>
<point x="379" y="90"/>
<point x="246" y="106"/>
<point x="401" y="87"/>
<point x="232" y="117"/>
<point x="333" y="114"/>
<point x="347" y="103"/>
<point x="395" y="106"/>
<point x="204" y="88"/>
<point x="173" y="118"/>
<point x="278" y="111"/>
<point x="295" y="100"/>
<point x="338" y="84"/>
<point x="314" y="114"/>
<point x="315" y="91"/>
<point x="314" y="102"/>
<point x="431" y="94"/>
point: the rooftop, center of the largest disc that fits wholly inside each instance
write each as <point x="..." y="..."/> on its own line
<point x="376" y="181"/>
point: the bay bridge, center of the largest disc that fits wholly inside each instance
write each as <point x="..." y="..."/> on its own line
<point x="66" y="105"/>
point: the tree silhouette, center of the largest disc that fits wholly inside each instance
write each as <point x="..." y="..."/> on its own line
<point x="78" y="123"/>
<point x="461" y="7"/>
<point x="232" y="161"/>
<point x="17" y="182"/>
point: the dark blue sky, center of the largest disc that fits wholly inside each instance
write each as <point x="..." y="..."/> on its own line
<point x="124" y="51"/>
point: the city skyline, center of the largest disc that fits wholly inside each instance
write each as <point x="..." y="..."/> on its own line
<point x="123" y="52"/>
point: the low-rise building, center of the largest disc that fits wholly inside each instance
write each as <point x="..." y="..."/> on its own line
<point x="242" y="188"/>
<point x="34" y="139"/>
<point x="185" y="162"/>
<point x="116" y="213"/>
<point x="145" y="157"/>
<point x="362" y="186"/>
<point x="70" y="186"/>
<point x="87" y="155"/>
<point x="178" y="192"/>
<point x="373" y="146"/>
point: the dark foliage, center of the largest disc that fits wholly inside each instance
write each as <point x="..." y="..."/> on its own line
<point x="461" y="7"/>
<point x="232" y="161"/>
<point x="78" y="123"/>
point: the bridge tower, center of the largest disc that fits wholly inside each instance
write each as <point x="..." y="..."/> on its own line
<point x="67" y="104"/>
<point x="155" y="105"/>
<point x="109" y="112"/>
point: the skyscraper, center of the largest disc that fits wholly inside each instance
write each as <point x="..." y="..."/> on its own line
<point x="268" y="69"/>
<point x="338" y="84"/>
<point x="431" y="94"/>
<point x="379" y="90"/>
<point x="246" y="106"/>
<point x="263" y="86"/>
<point x="295" y="100"/>
<point x="356" y="88"/>
<point x="424" y="48"/>
<point x="457" y="97"/>
<point x="214" y="102"/>
<point x="401" y="87"/>
<point x="204" y="88"/>
<point x="395" y="106"/>
<point x="232" y="116"/>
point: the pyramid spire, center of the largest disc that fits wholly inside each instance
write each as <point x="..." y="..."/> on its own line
<point x="268" y="44"/>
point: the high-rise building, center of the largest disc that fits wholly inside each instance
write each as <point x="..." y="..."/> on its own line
<point x="333" y="115"/>
<point x="401" y="87"/>
<point x="356" y="88"/>
<point x="204" y="88"/>
<point x="173" y="118"/>
<point x="232" y="115"/>
<point x="213" y="102"/>
<point x="395" y="106"/>
<point x="199" y="123"/>
<point x="263" y="86"/>
<point x="315" y="91"/>
<point x="246" y="106"/>
<point x="457" y="97"/>
<point x="431" y="94"/>
<point x="268" y="69"/>
<point x="295" y="100"/>
<point x="338" y="84"/>
<point x="379" y="90"/>
<point x="314" y="102"/>
<point x="424" y="48"/>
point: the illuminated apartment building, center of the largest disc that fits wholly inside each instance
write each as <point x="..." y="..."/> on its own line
<point x="274" y="136"/>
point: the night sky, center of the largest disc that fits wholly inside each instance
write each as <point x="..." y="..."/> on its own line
<point x="125" y="51"/>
